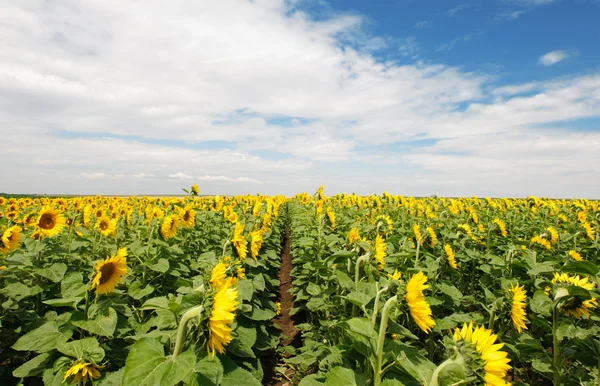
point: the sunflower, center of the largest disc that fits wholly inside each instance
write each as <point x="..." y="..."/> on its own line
<point x="353" y="236"/>
<point x="517" y="313"/>
<point x="541" y="241"/>
<point x="239" y="241"/>
<point x="387" y="220"/>
<point x="493" y="364"/>
<point x="589" y="231"/>
<point x="432" y="236"/>
<point x="187" y="216"/>
<point x="110" y="272"/>
<point x="575" y="255"/>
<point x="223" y="314"/>
<point x="380" y="248"/>
<point x="418" y="235"/>
<point x="11" y="215"/>
<point x="169" y="226"/>
<point x="450" y="255"/>
<point x="195" y="189"/>
<point x="82" y="371"/>
<point x="10" y="239"/>
<point x="218" y="274"/>
<point x="87" y="215"/>
<point x="277" y="308"/>
<point x="501" y="226"/>
<point x="29" y="219"/>
<point x="394" y="276"/>
<point x="419" y="309"/>
<point x="106" y="226"/>
<point x="553" y="235"/>
<point x="331" y="217"/>
<point x="50" y="222"/>
<point x="576" y="307"/>
<point x="256" y="240"/>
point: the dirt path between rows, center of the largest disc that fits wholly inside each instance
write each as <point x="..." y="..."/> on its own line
<point x="284" y="321"/>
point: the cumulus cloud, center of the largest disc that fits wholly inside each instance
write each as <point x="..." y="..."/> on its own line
<point x="90" y="93"/>
<point x="553" y="57"/>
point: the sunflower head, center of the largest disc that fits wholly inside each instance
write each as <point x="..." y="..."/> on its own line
<point x="50" y="222"/>
<point x="110" y="272"/>
<point x="380" y="251"/>
<point x="239" y="241"/>
<point x="482" y="355"/>
<point x="222" y="316"/>
<point x="10" y="239"/>
<point x="82" y="371"/>
<point x="518" y="305"/>
<point x="187" y="216"/>
<point x="169" y="225"/>
<point x="106" y="226"/>
<point x="195" y="189"/>
<point x="256" y="240"/>
<point x="420" y="310"/>
<point x="353" y="236"/>
<point x="575" y="306"/>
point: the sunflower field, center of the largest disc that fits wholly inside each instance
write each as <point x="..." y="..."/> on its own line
<point x="308" y="290"/>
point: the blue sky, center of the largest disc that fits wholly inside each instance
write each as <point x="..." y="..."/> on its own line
<point x="487" y="98"/>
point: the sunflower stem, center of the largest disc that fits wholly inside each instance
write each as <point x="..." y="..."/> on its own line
<point x="376" y="306"/>
<point x="555" y="347"/>
<point x="360" y="260"/>
<point x="189" y="314"/>
<point x="381" y="339"/>
<point x="225" y="246"/>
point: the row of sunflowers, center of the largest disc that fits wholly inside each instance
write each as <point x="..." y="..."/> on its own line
<point x="393" y="290"/>
<point x="139" y="290"/>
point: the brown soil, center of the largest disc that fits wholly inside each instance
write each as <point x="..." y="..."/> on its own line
<point x="284" y="321"/>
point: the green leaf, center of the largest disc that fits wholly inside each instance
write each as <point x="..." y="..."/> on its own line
<point x="72" y="286"/>
<point x="260" y="314"/>
<point x="259" y="282"/>
<point x="542" y="365"/>
<point x="344" y="280"/>
<point x="568" y="330"/>
<point x="103" y="324"/>
<point x="162" y="265"/>
<point x="86" y="349"/>
<point x="245" y="289"/>
<point x="358" y="298"/>
<point x="363" y="327"/>
<point x="581" y="267"/>
<point x="147" y="365"/>
<point x="341" y="376"/>
<point x="135" y="290"/>
<point x="540" y="303"/>
<point x="55" y="272"/>
<point x="43" y="339"/>
<point x="310" y="380"/>
<point x="70" y="302"/>
<point x="19" y="291"/>
<point x="208" y="372"/>
<point x="111" y="379"/>
<point x="451" y="291"/>
<point x="159" y="303"/>
<point x="32" y="367"/>
<point x="235" y="375"/>
<point x="242" y="344"/>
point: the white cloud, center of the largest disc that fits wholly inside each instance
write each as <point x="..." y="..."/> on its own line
<point x="181" y="176"/>
<point x="250" y="92"/>
<point x="457" y="10"/>
<point x="93" y="176"/>
<point x="553" y="57"/>
<point x="143" y="175"/>
<point x="229" y="179"/>
<point x="422" y="24"/>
